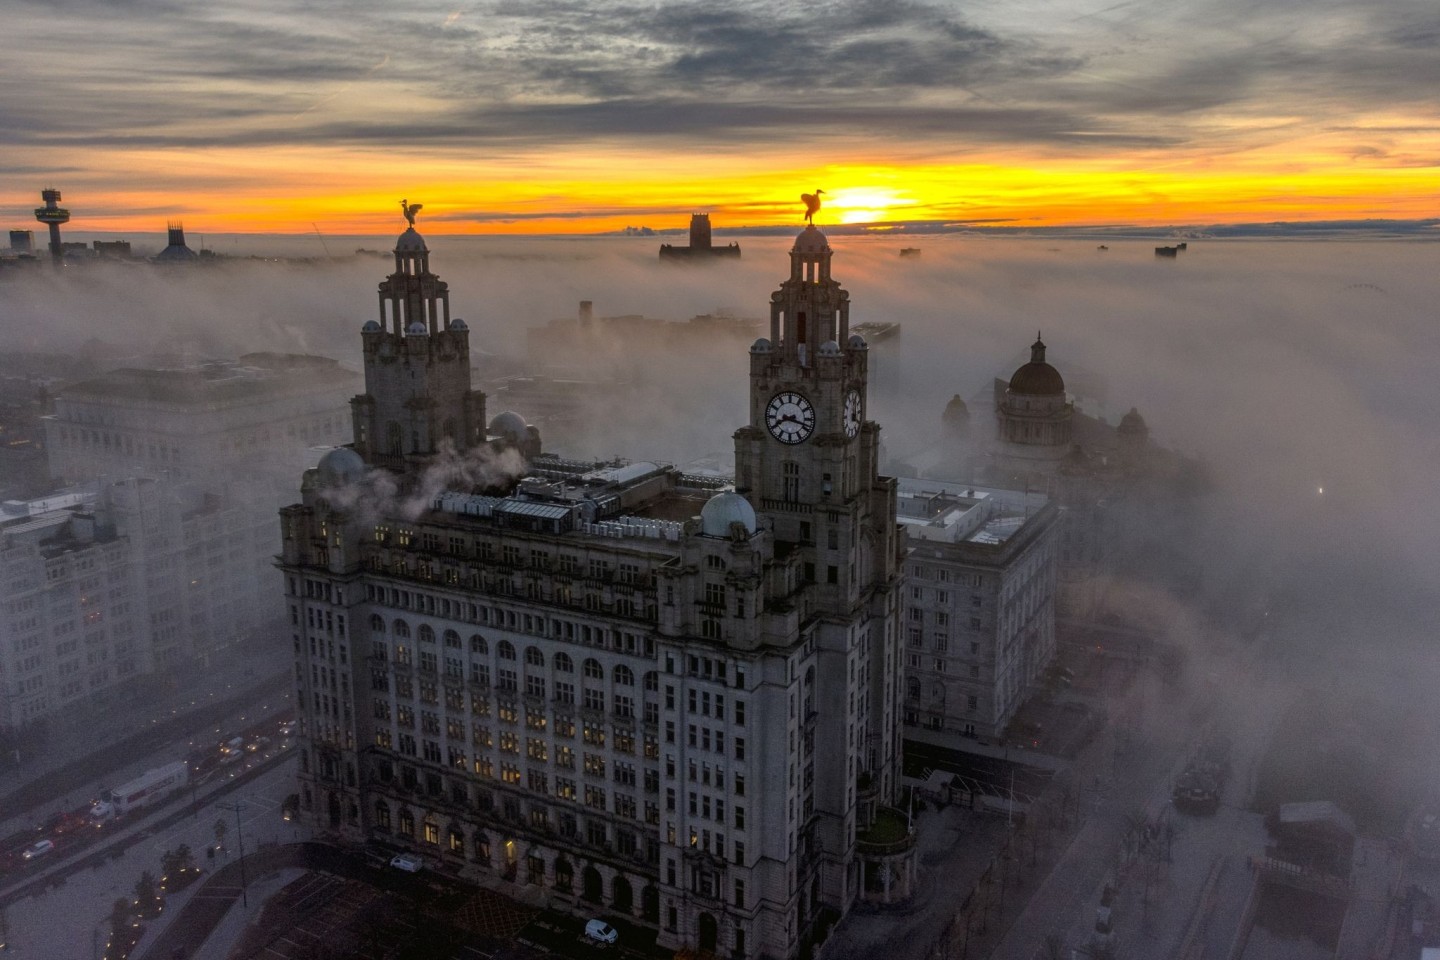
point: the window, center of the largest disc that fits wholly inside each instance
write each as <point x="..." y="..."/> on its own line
<point x="534" y="657"/>
<point x="563" y="663"/>
<point x="593" y="670"/>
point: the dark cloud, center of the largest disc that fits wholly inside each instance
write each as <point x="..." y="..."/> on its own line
<point x="161" y="73"/>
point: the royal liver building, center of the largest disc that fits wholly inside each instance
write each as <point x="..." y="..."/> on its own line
<point x="644" y="693"/>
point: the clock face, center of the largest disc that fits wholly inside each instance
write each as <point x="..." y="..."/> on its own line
<point x="852" y="413"/>
<point x="790" y="417"/>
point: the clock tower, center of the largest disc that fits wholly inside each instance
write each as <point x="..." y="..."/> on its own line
<point x="808" y="447"/>
<point x="808" y="462"/>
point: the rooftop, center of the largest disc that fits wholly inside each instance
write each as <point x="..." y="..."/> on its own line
<point x="252" y="376"/>
<point x="616" y="498"/>
<point x="953" y="512"/>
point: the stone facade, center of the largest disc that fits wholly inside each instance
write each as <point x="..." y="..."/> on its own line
<point x="979" y="618"/>
<point x="615" y="683"/>
<point x="106" y="584"/>
<point x="256" y="417"/>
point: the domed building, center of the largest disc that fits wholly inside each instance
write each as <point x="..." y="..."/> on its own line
<point x="1034" y="416"/>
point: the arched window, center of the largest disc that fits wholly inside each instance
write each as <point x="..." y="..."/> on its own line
<point x="407" y="822"/>
<point x="563" y="663"/>
<point x="593" y="670"/>
<point x="377" y="623"/>
<point x="431" y="830"/>
<point x="478" y="644"/>
<point x="452" y="639"/>
<point x="651" y="681"/>
<point x="505" y="650"/>
<point x="402" y="629"/>
<point x="457" y="840"/>
<point x="382" y="815"/>
<point x="427" y="635"/>
<point x="624" y="677"/>
<point x="534" y="657"/>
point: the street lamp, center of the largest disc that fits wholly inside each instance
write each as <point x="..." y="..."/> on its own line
<point x="237" y="806"/>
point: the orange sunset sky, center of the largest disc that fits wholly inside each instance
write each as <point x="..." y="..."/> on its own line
<point x="584" y="117"/>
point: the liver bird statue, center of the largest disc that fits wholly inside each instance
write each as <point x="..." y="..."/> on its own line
<point x="812" y="205"/>
<point x="410" y="209"/>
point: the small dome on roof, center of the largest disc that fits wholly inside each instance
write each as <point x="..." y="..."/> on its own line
<point x="411" y="242"/>
<point x="857" y="342"/>
<point x="510" y="425"/>
<point x="416" y="329"/>
<point x="340" y="466"/>
<point x="1132" y="424"/>
<point x="762" y="345"/>
<point x="458" y="324"/>
<point x="723" y="509"/>
<point x="829" y="349"/>
<point x="811" y="242"/>
<point x="371" y="326"/>
<point x="1037" y="378"/>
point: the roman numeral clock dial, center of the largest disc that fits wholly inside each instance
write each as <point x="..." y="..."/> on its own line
<point x="790" y="417"/>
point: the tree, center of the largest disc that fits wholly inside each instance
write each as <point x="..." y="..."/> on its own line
<point x="147" y="898"/>
<point x="120" y="913"/>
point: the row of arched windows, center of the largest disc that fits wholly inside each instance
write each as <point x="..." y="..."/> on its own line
<point x="505" y="650"/>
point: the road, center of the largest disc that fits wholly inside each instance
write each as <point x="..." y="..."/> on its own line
<point x="62" y="913"/>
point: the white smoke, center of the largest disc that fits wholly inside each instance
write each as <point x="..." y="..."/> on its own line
<point x="381" y="495"/>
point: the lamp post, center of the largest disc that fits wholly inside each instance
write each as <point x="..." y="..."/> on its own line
<point x="237" y="806"/>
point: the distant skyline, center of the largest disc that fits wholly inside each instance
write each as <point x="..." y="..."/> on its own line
<point x="551" y="117"/>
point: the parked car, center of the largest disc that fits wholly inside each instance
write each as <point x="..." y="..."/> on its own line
<point x="407" y="863"/>
<point x="598" y="931"/>
<point x="38" y="849"/>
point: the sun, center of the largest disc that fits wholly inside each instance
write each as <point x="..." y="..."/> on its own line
<point x="865" y="204"/>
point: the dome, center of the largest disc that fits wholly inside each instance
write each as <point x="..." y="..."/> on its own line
<point x="411" y="242"/>
<point x="339" y="466"/>
<point x="509" y="424"/>
<point x="857" y="342"/>
<point x="458" y="324"/>
<point x="811" y="242"/>
<point x="1132" y="424"/>
<point x="1037" y="378"/>
<point x="723" y="509"/>
<point x="829" y="349"/>
<point x="416" y="329"/>
<point x="761" y="346"/>
<point x="371" y="326"/>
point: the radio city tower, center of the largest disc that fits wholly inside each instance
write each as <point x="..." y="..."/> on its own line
<point x="54" y="215"/>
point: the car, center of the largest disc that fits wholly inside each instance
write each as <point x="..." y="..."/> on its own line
<point x="38" y="849"/>
<point x="598" y="931"/>
<point x="407" y="863"/>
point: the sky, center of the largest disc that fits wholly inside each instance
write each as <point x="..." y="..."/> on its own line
<point x="560" y="116"/>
